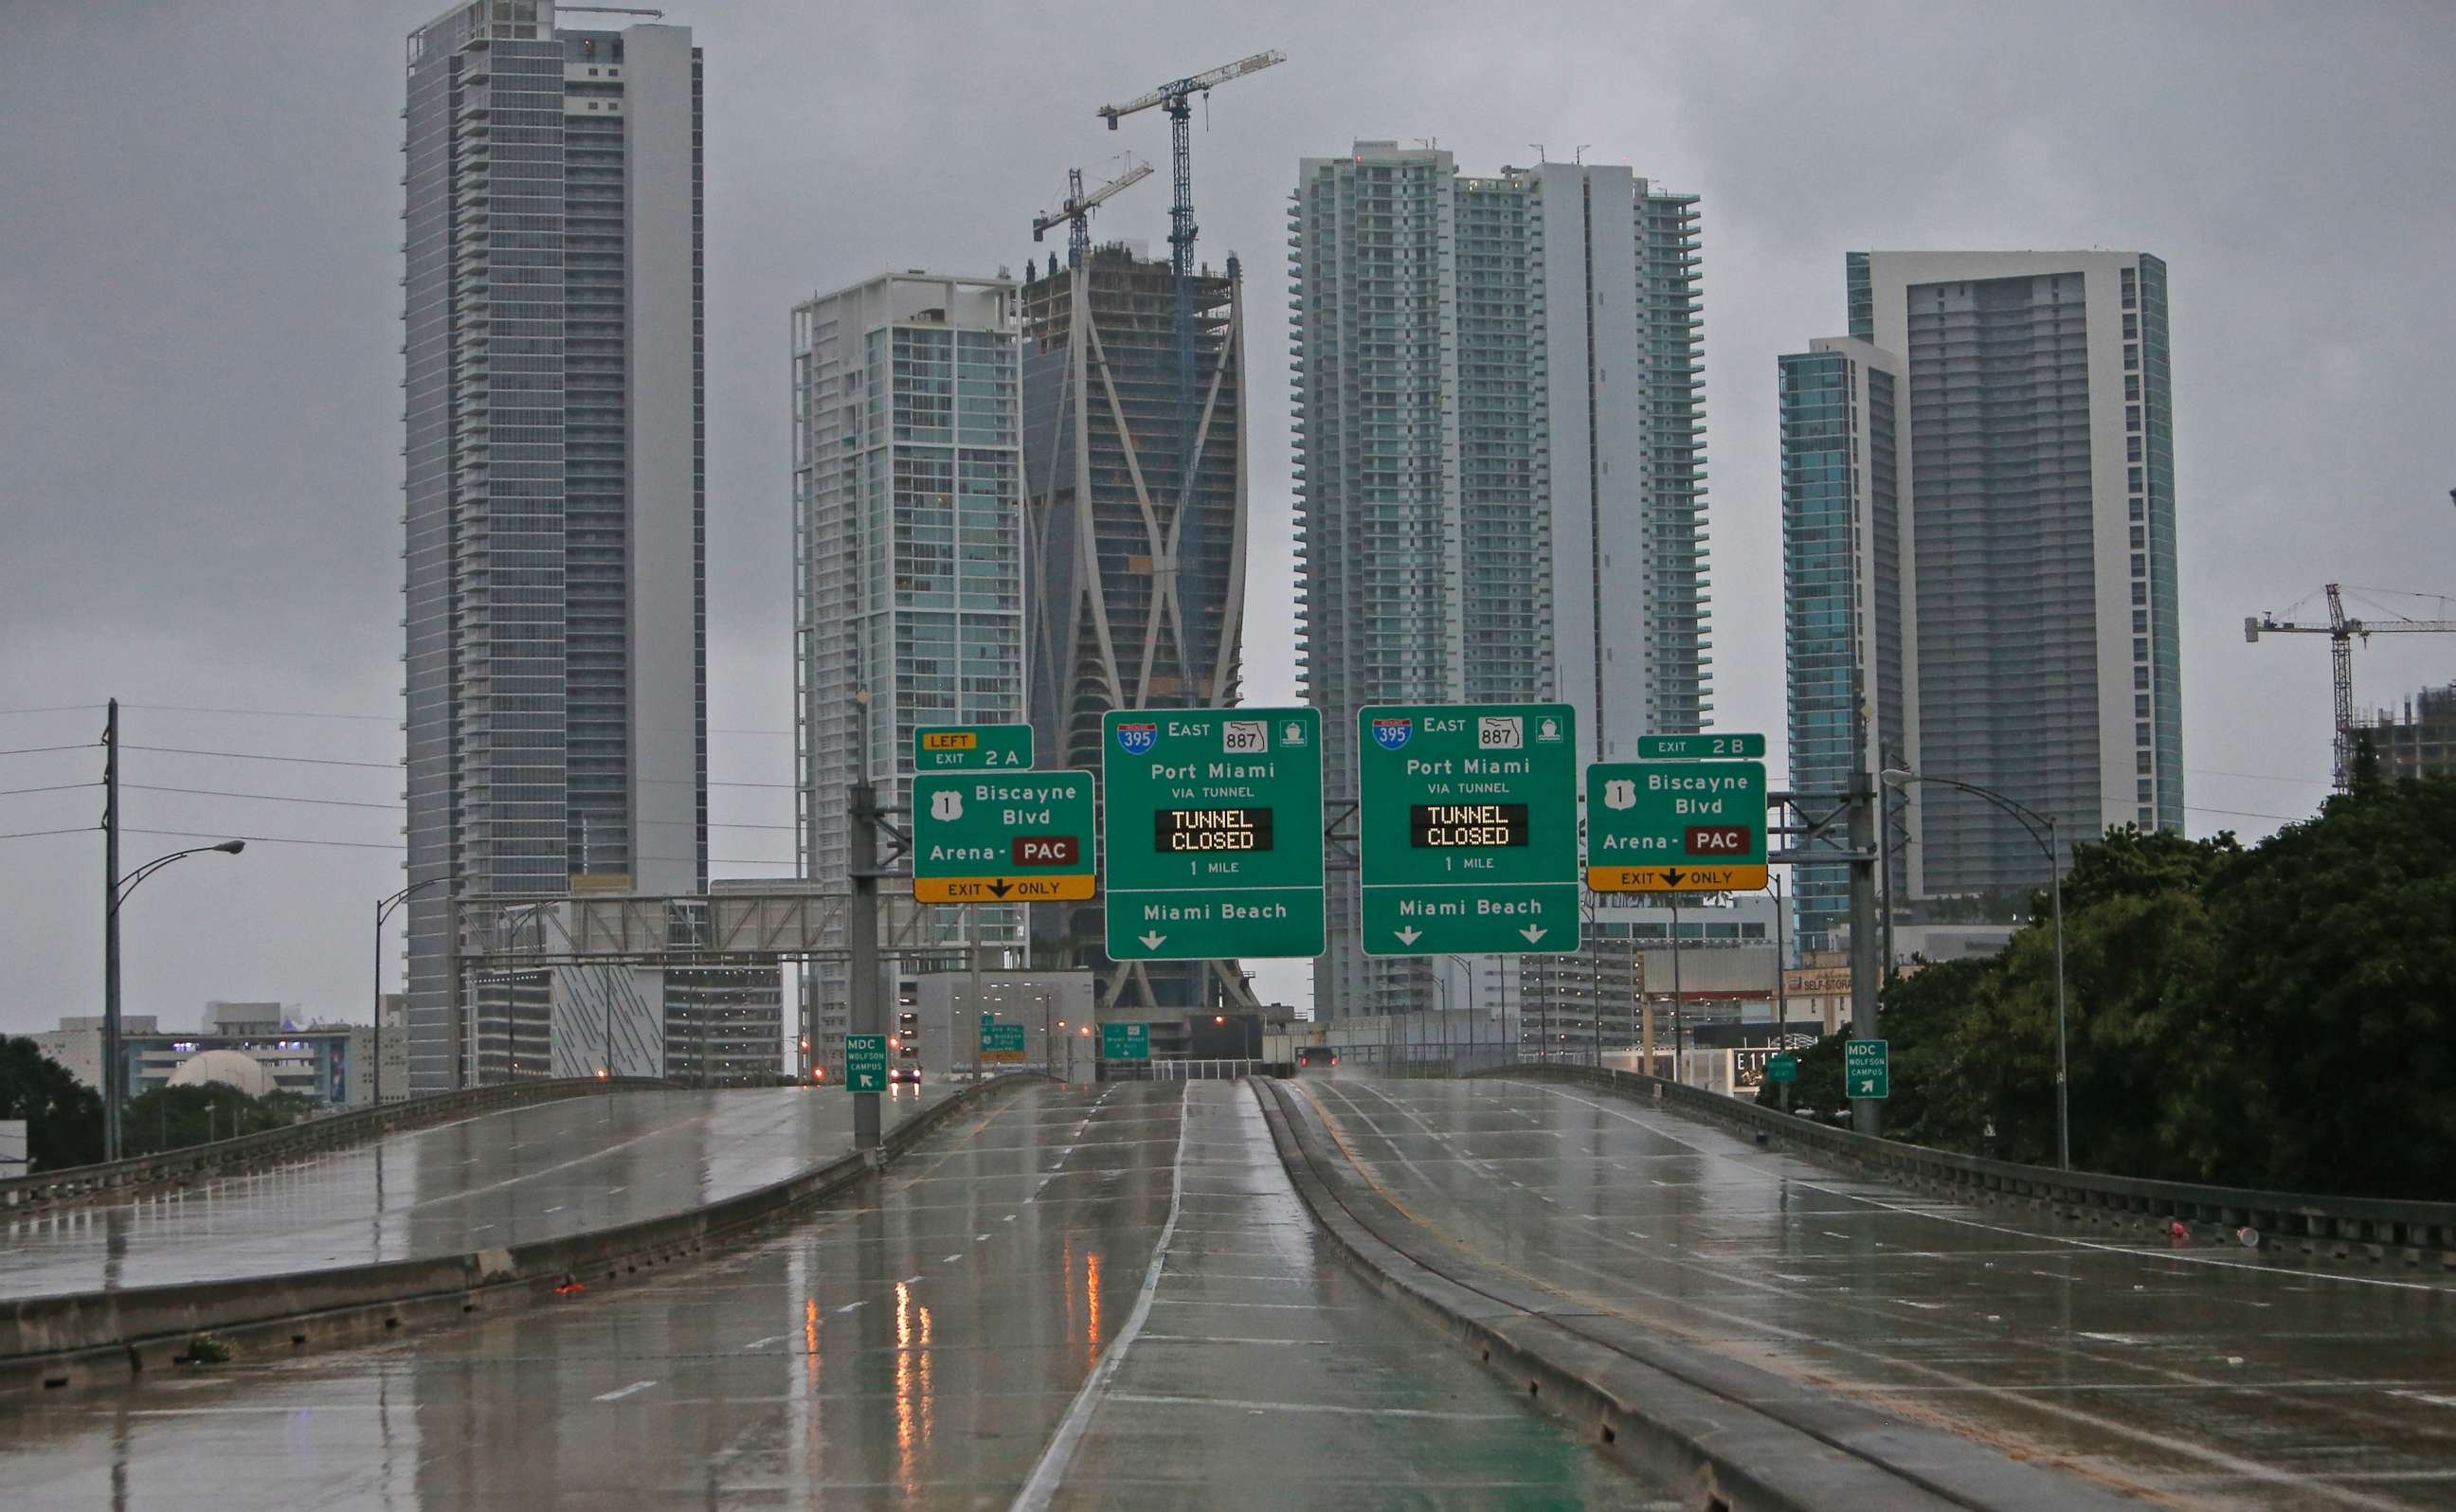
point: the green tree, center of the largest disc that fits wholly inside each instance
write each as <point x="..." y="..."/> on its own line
<point x="2327" y="1013"/>
<point x="63" y="1116"/>
<point x="175" y="1118"/>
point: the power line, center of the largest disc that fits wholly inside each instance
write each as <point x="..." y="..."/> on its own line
<point x="2245" y="814"/>
<point x="57" y="708"/>
<point x="32" y="750"/>
<point x="259" y="713"/>
<point x="267" y="840"/>
<point x="54" y="788"/>
<point x="252" y="756"/>
<point x="272" y="798"/>
<point x="91" y="829"/>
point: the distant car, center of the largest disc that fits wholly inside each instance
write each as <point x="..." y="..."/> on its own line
<point x="1317" y="1055"/>
<point x="910" y="1074"/>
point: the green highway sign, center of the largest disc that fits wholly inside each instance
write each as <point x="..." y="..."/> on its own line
<point x="1002" y="837"/>
<point x="1866" y="1069"/>
<point x="1125" y="1042"/>
<point x="965" y="747"/>
<point x="865" y="1063"/>
<point x="1212" y="822"/>
<point x="1468" y="828"/>
<point x="1000" y="1041"/>
<point x="1699" y="747"/>
<point x="1676" y="827"/>
<point x="1783" y="1066"/>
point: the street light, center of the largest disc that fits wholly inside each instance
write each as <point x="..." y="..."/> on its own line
<point x="113" y="1077"/>
<point x="384" y="910"/>
<point x="2030" y="820"/>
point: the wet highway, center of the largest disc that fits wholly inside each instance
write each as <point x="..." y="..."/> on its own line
<point x="985" y="1328"/>
<point x="2192" y="1376"/>
<point x="496" y="1178"/>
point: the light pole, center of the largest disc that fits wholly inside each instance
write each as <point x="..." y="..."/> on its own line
<point x="384" y="910"/>
<point x="2030" y="821"/>
<point x="115" y="1076"/>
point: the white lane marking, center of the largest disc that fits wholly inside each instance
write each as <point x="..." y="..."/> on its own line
<point x="762" y="1343"/>
<point x="949" y="1260"/>
<point x="1043" y="1487"/>
<point x="1933" y="1307"/>
<point x="619" y="1393"/>
<point x="2431" y="1397"/>
<point x="1009" y="1217"/>
<point x="910" y="1279"/>
<point x="849" y="1306"/>
<point x="1310" y="1407"/>
<point x="2111" y="1339"/>
<point x="980" y="1239"/>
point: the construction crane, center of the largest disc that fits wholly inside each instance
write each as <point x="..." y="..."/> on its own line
<point x="1175" y="97"/>
<point x="1078" y="207"/>
<point x="2341" y="631"/>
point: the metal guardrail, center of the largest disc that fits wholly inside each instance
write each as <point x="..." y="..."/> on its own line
<point x="251" y="1153"/>
<point x="76" y="1338"/>
<point x="2417" y="1233"/>
<point x="1190" y="1070"/>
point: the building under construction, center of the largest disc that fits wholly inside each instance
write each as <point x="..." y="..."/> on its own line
<point x="1135" y="477"/>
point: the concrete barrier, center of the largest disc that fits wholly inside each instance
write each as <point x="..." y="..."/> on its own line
<point x="271" y="1148"/>
<point x="2420" y="1234"/>
<point x="90" y="1338"/>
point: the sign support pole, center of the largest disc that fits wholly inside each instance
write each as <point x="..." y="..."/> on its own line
<point x="861" y="932"/>
<point x="972" y="960"/>
<point x="1679" y="1002"/>
<point x="1866" y="1113"/>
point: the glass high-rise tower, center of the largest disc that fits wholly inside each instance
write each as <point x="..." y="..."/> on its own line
<point x="1501" y="450"/>
<point x="555" y="560"/>
<point x="907" y="533"/>
<point x="2008" y="477"/>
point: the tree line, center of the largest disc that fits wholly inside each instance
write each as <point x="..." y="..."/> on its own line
<point x="64" y="1116"/>
<point x="2274" y="1016"/>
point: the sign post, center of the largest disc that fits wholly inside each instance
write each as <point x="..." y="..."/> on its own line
<point x="1676" y="827"/>
<point x="1866" y="1069"/>
<point x="865" y="1063"/>
<point x="1781" y="1069"/>
<point x="1213" y="823"/>
<point x="1002" y="837"/>
<point x="1468" y="825"/>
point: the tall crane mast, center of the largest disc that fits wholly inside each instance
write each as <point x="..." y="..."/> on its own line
<point x="1076" y="211"/>
<point x="1176" y="98"/>
<point x="2341" y="631"/>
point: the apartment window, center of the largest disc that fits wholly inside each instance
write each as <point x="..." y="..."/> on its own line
<point x="2140" y="650"/>
<point x="2132" y="385"/>
<point x="2142" y="762"/>
<point x="2131" y="358"/>
<point x="2132" y="417"/>
<point x="2140" y="565"/>
<point x="2139" y="538"/>
<point x="2139" y="622"/>
<point x="2139" y="511"/>
<point x="2140" y="707"/>
<point x="2148" y="792"/>
<point x="2139" y="678"/>
<point x="2139" y="590"/>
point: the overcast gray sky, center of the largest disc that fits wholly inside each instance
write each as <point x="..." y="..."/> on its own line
<point x="199" y="435"/>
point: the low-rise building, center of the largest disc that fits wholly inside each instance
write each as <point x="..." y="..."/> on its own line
<point x="331" y="1065"/>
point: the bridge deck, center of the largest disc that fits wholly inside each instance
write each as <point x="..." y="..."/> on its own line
<point x="2202" y="1375"/>
<point x="498" y="1178"/>
<point x="927" y="1342"/>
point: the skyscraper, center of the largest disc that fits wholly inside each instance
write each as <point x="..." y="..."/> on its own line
<point x="1499" y="448"/>
<point x="908" y="534"/>
<point x="2031" y="582"/>
<point x="555" y="564"/>
<point x="1137" y="564"/>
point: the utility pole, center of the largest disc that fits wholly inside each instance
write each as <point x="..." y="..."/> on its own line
<point x="1679" y="1000"/>
<point x="1866" y="1113"/>
<point x="1781" y="971"/>
<point x="112" y="1075"/>
<point x="861" y="927"/>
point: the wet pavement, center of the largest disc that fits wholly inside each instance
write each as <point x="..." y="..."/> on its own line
<point x="2193" y="1377"/>
<point x="500" y="1179"/>
<point x="986" y="1328"/>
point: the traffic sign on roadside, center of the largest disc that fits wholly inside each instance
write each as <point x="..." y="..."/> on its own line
<point x="1468" y="829"/>
<point x="865" y="1063"/>
<point x="1000" y="1041"/>
<point x="1213" y="826"/>
<point x="1125" y="1042"/>
<point x="1866" y="1069"/>
<point x="1699" y="747"/>
<point x="1675" y="827"/>
<point x="1002" y="837"/>
<point x="968" y="748"/>
<point x="1783" y="1065"/>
